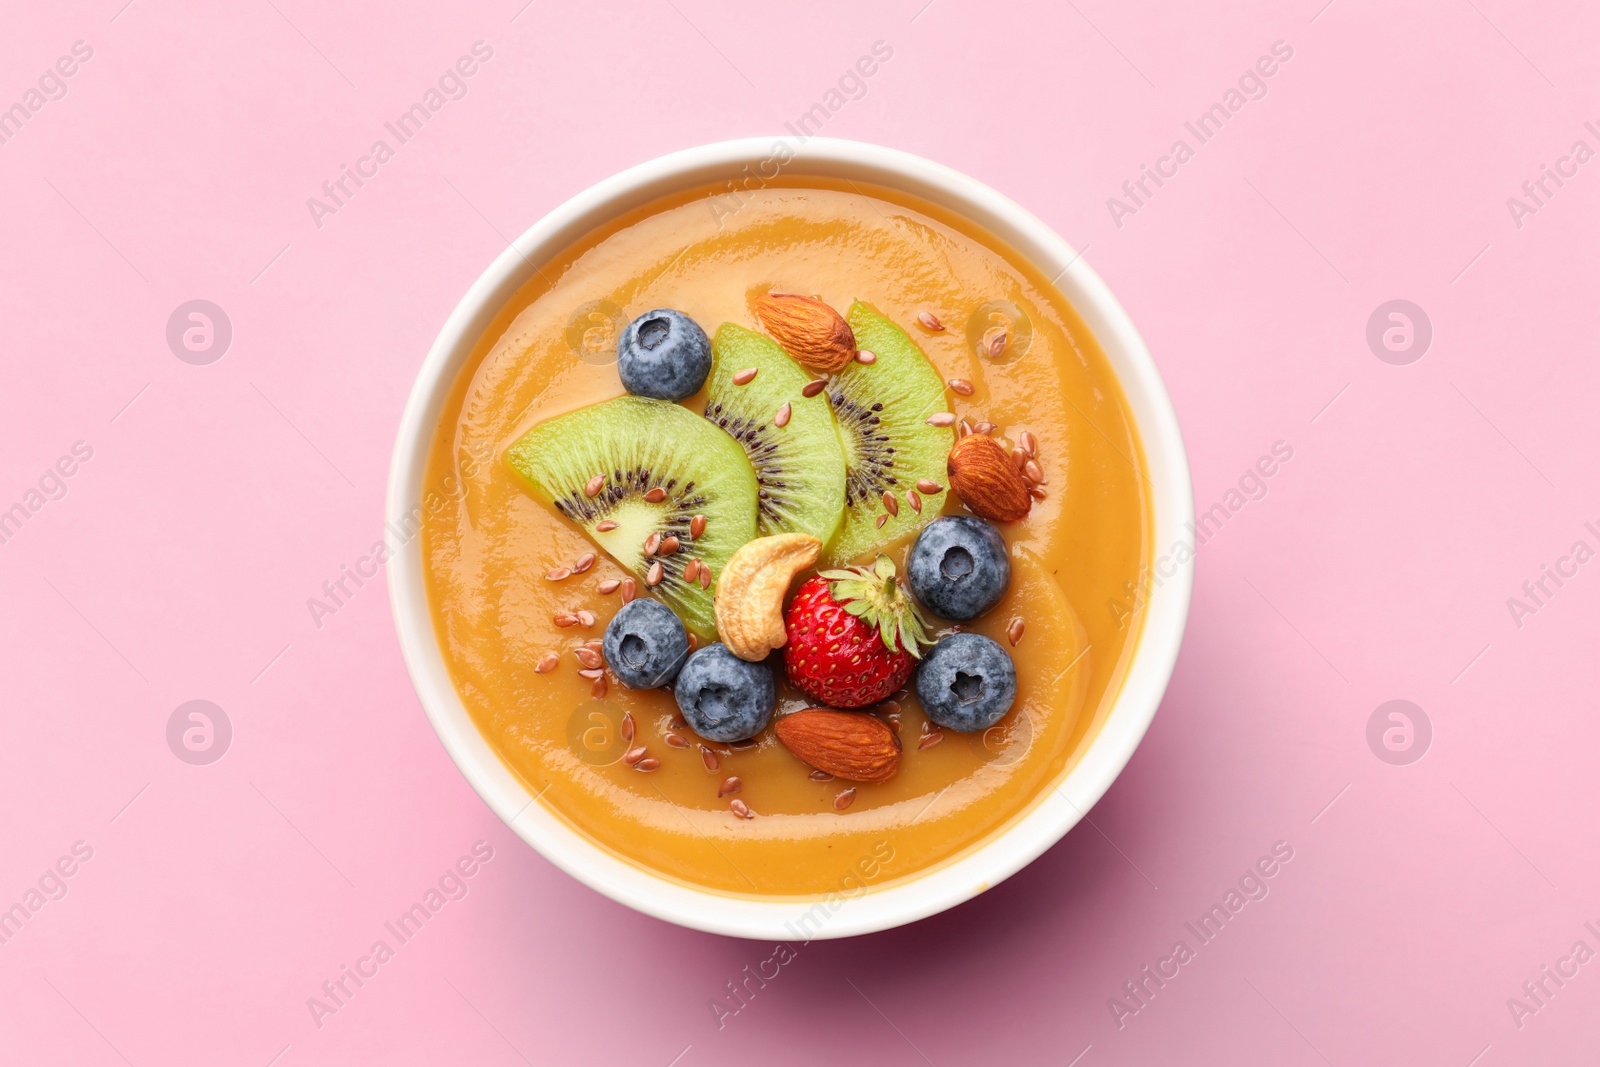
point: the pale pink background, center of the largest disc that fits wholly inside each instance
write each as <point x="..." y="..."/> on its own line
<point x="179" y="564"/>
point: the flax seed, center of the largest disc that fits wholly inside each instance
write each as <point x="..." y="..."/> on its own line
<point x="930" y="739"/>
<point x="1014" y="631"/>
<point x="588" y="657"/>
<point x="820" y="776"/>
<point x="598" y="689"/>
<point x="652" y="543"/>
<point x="565" y="620"/>
<point x="710" y="759"/>
<point x="691" y="570"/>
<point x="655" y="496"/>
<point x="548" y="663"/>
<point x="649" y="763"/>
<point x="882" y="519"/>
<point x="605" y="527"/>
<point x="676" y="741"/>
<point x="844" y="800"/>
<point x="591" y="673"/>
<point x="694" y="642"/>
<point x="942" y="418"/>
<point x="781" y="419"/>
<point x="994" y="344"/>
<point x="585" y="618"/>
<point x="961" y="386"/>
<point x="931" y="488"/>
<point x="678" y="723"/>
<point x="914" y="500"/>
<point x="654" y="575"/>
<point x="697" y="526"/>
<point x="729" y="787"/>
<point x="1035" y="472"/>
<point x="1037" y="492"/>
<point x="741" y="809"/>
<point x="746" y="376"/>
<point x="633" y="755"/>
<point x="630" y="589"/>
<point x="893" y="720"/>
<point x="963" y="428"/>
<point x="812" y="388"/>
<point x="629" y="727"/>
<point x="1029" y="443"/>
<point x="931" y="321"/>
<point x="1019" y="459"/>
<point x="866" y="357"/>
<point x="747" y="743"/>
<point x="560" y="574"/>
<point x="984" y="428"/>
<point x="583" y="563"/>
<point x="890" y="504"/>
<point x="609" y="586"/>
<point x="594" y="485"/>
<point x="669" y="545"/>
<point x="705" y="575"/>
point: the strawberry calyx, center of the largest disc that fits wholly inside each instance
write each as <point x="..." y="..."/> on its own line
<point x="874" y="595"/>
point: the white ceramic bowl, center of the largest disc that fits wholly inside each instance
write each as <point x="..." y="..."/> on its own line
<point x="859" y="911"/>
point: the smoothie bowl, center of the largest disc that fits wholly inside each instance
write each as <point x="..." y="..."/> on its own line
<point x="778" y="536"/>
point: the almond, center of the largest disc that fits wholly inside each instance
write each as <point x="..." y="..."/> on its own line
<point x="811" y="331"/>
<point x="846" y="744"/>
<point x="986" y="480"/>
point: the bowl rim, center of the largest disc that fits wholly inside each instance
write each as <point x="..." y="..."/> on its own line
<point x="853" y="909"/>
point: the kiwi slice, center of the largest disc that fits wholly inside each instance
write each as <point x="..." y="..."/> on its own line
<point x="882" y="411"/>
<point x="635" y="446"/>
<point x="799" y="466"/>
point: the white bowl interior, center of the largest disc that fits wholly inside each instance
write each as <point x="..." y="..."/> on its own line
<point x="856" y="910"/>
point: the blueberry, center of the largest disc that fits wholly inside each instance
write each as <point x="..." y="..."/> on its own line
<point x="725" y="698"/>
<point x="663" y="354"/>
<point x="966" y="683"/>
<point x="645" y="644"/>
<point x="959" y="568"/>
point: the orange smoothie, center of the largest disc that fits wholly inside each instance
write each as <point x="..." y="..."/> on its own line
<point x="488" y="550"/>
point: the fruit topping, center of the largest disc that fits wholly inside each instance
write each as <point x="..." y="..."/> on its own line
<point x="629" y="448"/>
<point x="725" y="698"/>
<point x="749" y="602"/>
<point x="645" y="645"/>
<point x="791" y="439"/>
<point x="966" y="683"/>
<point x="853" y="636"/>
<point x="882" y="409"/>
<point x="663" y="354"/>
<point x="959" y="568"/>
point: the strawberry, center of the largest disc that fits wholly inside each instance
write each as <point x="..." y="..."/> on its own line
<point x="853" y="636"/>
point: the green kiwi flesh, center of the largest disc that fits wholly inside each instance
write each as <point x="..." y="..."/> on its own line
<point x="637" y="445"/>
<point x="882" y="410"/>
<point x="799" y="466"/>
